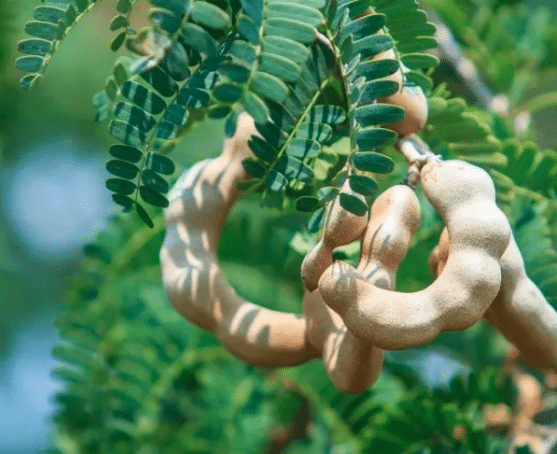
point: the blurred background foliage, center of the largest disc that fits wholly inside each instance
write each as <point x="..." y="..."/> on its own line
<point x="132" y="376"/>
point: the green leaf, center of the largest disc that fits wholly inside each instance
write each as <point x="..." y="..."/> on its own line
<point x="227" y="92"/>
<point x="144" y="215"/>
<point x="276" y="181"/>
<point x="373" y="162"/>
<point x="374" y="137"/>
<point x="176" y="114"/>
<point x="166" y="20"/>
<point x="127" y="133"/>
<point x="419" y="61"/>
<point x="295" y="11"/>
<point x="376" y="89"/>
<point x="118" y="22"/>
<point x="154" y="181"/>
<point x="210" y="15"/>
<point x="230" y="124"/>
<point x="254" y="9"/>
<point x="419" y="79"/>
<point x="253" y="167"/>
<point x="111" y="87"/>
<point x="124" y="6"/>
<point x="31" y="63"/>
<point x="293" y="29"/>
<point x="121" y="73"/>
<point x="327" y="193"/>
<point x="160" y="81"/>
<point x="377" y="114"/>
<point x="248" y="29"/>
<point x="363" y="185"/>
<point x="125" y="153"/>
<point x="244" y="51"/>
<point x="320" y="132"/>
<point x="29" y="80"/>
<point x="122" y="169"/>
<point x="50" y="14"/>
<point x="153" y="197"/>
<point x="418" y="44"/>
<point x="269" y="87"/>
<point x="372" y="45"/>
<point x="327" y="114"/>
<point x="300" y="148"/>
<point x="118" y="41"/>
<point x="219" y="111"/>
<point x="199" y="39"/>
<point x="165" y="130"/>
<point x="82" y="5"/>
<point x="286" y="48"/>
<point x="122" y="200"/>
<point x="134" y="116"/>
<point x="364" y="26"/>
<point x="294" y="168"/>
<point x="178" y="7"/>
<point x="160" y="164"/>
<point x="375" y="69"/>
<point x="44" y="30"/>
<point x="255" y="106"/>
<point x="235" y="71"/>
<point x="547" y="417"/>
<point x="316" y="220"/>
<point x="120" y="186"/>
<point x="307" y="204"/>
<point x="35" y="46"/>
<point x="279" y="66"/>
<point x="144" y="98"/>
<point x="353" y="204"/>
<point x="193" y="97"/>
<point x="262" y="149"/>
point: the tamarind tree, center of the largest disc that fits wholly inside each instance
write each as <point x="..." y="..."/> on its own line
<point x="336" y="114"/>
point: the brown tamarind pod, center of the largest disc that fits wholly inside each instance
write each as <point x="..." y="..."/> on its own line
<point x="354" y="364"/>
<point x="194" y="282"/>
<point x="341" y="228"/>
<point x="519" y="311"/>
<point x="464" y="196"/>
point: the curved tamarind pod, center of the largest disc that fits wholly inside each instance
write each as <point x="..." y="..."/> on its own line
<point x="354" y="364"/>
<point x="341" y="228"/>
<point x="519" y="311"/>
<point x="193" y="279"/>
<point x="464" y="196"/>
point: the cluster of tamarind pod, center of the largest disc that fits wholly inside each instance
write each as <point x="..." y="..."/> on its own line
<point x="350" y="315"/>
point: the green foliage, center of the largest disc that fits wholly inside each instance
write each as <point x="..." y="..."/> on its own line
<point x="137" y="376"/>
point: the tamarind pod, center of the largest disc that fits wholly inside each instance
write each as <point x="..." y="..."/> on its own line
<point x="519" y="311"/>
<point x="352" y="363"/>
<point x="524" y="315"/>
<point x="440" y="253"/>
<point x="341" y="228"/>
<point x="193" y="279"/>
<point x="464" y="196"/>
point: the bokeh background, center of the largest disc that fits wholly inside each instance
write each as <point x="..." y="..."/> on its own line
<point x="52" y="195"/>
